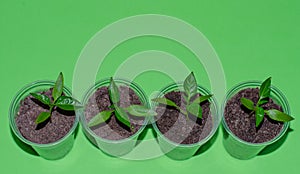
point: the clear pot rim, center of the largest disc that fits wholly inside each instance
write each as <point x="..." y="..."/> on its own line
<point x="215" y="119"/>
<point x="16" y="102"/>
<point x="104" y="82"/>
<point x="275" y="92"/>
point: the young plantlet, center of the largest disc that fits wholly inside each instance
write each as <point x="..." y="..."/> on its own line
<point x="264" y="94"/>
<point x="190" y="88"/>
<point x="60" y="101"/>
<point x="120" y="112"/>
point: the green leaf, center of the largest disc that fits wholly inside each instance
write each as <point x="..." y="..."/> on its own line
<point x="247" y="103"/>
<point x="42" y="117"/>
<point x="58" y="87"/>
<point x="168" y="102"/>
<point x="278" y="115"/>
<point x="259" y="116"/>
<point x="195" y="109"/>
<point x="67" y="103"/>
<point x="201" y="99"/>
<point x="165" y="101"/>
<point x="122" y="116"/>
<point x="140" y="111"/>
<point x="41" y="97"/>
<point x="101" y="117"/>
<point x="265" y="90"/>
<point x="261" y="102"/>
<point x="190" y="85"/>
<point x="114" y="91"/>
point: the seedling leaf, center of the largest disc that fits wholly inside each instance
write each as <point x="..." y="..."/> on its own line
<point x="41" y="97"/>
<point x="58" y="87"/>
<point x="265" y="90"/>
<point x="195" y="109"/>
<point x="201" y="99"/>
<point x="166" y="101"/>
<point x="247" y="103"/>
<point x="114" y="91"/>
<point x="140" y="111"/>
<point x="122" y="116"/>
<point x="259" y="116"/>
<point x="101" y="117"/>
<point x="278" y="115"/>
<point x="67" y="103"/>
<point x="261" y="102"/>
<point x="190" y="85"/>
<point x="42" y="117"/>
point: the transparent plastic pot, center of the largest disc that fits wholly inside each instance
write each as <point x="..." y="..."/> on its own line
<point x="51" y="151"/>
<point x="239" y="148"/>
<point x="115" y="148"/>
<point x="185" y="151"/>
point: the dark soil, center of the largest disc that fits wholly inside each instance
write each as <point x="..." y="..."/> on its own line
<point x="242" y="123"/>
<point x="113" y="129"/>
<point x="53" y="129"/>
<point x="175" y="125"/>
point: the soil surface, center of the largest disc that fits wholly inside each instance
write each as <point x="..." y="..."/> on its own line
<point x="242" y="122"/>
<point x="177" y="127"/>
<point x="53" y="129"/>
<point x="113" y="129"/>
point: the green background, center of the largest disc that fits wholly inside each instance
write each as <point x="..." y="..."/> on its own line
<point x="254" y="40"/>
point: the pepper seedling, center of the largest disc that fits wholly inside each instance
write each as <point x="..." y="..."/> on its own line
<point x="190" y="90"/>
<point x="264" y="94"/>
<point x="63" y="102"/>
<point x="121" y="113"/>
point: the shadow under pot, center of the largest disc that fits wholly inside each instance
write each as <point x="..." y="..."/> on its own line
<point x="242" y="138"/>
<point x="113" y="137"/>
<point x="180" y="136"/>
<point x="53" y="138"/>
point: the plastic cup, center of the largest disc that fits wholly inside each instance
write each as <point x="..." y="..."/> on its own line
<point x="184" y="151"/>
<point x="239" y="148"/>
<point x="115" y="148"/>
<point x="51" y="151"/>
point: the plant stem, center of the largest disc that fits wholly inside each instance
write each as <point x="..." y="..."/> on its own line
<point x="251" y="113"/>
<point x="257" y="104"/>
<point x="51" y="108"/>
<point x="187" y="103"/>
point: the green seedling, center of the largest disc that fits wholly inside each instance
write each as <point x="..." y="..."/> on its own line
<point x="122" y="114"/>
<point x="264" y="94"/>
<point x="190" y="90"/>
<point x="63" y="102"/>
